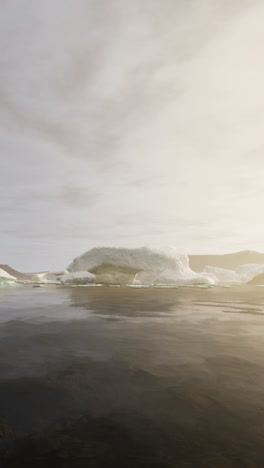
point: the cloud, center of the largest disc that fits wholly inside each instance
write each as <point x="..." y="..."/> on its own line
<point x="131" y="122"/>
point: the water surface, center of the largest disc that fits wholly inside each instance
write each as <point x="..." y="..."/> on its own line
<point x="132" y="377"/>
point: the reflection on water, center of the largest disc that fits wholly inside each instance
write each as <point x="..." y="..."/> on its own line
<point x="131" y="378"/>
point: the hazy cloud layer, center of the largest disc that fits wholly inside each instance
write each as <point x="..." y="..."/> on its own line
<point x="130" y="123"/>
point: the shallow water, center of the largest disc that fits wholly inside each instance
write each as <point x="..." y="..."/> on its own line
<point x="132" y="377"/>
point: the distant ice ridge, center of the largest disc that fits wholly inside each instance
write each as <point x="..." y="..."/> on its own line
<point x="243" y="274"/>
<point x="6" y="279"/>
<point x="4" y="274"/>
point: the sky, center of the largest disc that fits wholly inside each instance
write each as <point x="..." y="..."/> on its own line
<point x="129" y="124"/>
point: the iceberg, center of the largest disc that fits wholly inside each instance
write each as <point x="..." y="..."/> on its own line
<point x="112" y="265"/>
<point x="154" y="267"/>
<point x="138" y="267"/>
<point x="79" y="278"/>
<point x="246" y="273"/>
<point x="243" y="274"/>
<point x="48" y="277"/>
<point x="4" y="274"/>
<point x="6" y="279"/>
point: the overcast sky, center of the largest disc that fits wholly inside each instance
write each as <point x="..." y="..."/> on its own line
<point x="130" y="123"/>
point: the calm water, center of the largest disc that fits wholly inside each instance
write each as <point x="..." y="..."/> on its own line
<point x="119" y="377"/>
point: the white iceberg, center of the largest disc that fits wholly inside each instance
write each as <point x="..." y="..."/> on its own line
<point x="79" y="278"/>
<point x="49" y="277"/>
<point x="243" y="274"/>
<point x="149" y="266"/>
<point x="6" y="279"/>
<point x="138" y="266"/>
<point x="4" y="274"/>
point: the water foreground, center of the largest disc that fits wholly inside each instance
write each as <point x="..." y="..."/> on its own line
<point x="109" y="377"/>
